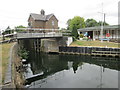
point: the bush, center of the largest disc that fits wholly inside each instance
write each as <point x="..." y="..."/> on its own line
<point x="81" y="35"/>
<point x="85" y="38"/>
<point x="23" y="53"/>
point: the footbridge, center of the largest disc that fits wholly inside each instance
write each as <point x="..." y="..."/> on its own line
<point x="46" y="40"/>
<point x="38" y="33"/>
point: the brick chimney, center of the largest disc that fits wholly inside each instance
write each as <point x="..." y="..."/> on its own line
<point x="42" y="12"/>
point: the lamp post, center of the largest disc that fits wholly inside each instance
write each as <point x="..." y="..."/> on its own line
<point x="102" y="23"/>
<point x="101" y="33"/>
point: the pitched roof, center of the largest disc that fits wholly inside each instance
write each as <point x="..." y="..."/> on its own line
<point x="111" y="27"/>
<point x="41" y="17"/>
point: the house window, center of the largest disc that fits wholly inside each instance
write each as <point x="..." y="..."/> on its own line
<point x="53" y="23"/>
<point x="31" y="23"/>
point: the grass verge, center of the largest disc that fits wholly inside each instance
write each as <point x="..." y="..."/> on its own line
<point x="95" y="44"/>
<point x="5" y="57"/>
<point x="6" y="38"/>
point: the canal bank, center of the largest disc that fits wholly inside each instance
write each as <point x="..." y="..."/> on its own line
<point x="14" y="75"/>
<point x="18" y="77"/>
<point x="7" y="72"/>
<point x="93" y="51"/>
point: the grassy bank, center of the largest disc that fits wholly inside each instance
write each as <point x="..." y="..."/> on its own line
<point x="18" y="77"/>
<point x="5" y="57"/>
<point x="6" y="38"/>
<point x="95" y="44"/>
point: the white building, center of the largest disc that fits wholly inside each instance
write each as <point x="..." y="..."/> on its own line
<point x="111" y="32"/>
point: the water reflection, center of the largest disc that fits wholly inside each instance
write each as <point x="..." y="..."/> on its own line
<point x="72" y="71"/>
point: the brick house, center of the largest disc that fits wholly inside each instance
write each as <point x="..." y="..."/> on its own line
<point x="43" y="21"/>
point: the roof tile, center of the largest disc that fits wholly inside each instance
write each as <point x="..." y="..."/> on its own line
<point x="41" y="17"/>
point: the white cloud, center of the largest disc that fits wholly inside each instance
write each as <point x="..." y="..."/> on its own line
<point x="16" y="12"/>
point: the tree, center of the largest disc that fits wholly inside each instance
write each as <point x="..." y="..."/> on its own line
<point x="75" y="32"/>
<point x="18" y="28"/>
<point x="104" y="23"/>
<point x="8" y="30"/>
<point x="77" y="22"/>
<point x="91" y="23"/>
<point x="68" y="24"/>
<point x="74" y="24"/>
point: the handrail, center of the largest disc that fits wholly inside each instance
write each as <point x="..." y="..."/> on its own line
<point x="38" y="35"/>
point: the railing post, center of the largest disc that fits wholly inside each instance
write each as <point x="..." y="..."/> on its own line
<point x="43" y="34"/>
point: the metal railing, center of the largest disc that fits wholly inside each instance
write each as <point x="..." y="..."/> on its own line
<point x="35" y="30"/>
<point x="37" y="35"/>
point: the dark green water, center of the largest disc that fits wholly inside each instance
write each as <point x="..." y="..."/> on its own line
<point x="72" y="71"/>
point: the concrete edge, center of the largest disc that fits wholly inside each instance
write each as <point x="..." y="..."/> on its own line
<point x="8" y="75"/>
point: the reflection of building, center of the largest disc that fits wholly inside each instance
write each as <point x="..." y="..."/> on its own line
<point x="70" y="63"/>
<point x="94" y="32"/>
<point x="43" y="21"/>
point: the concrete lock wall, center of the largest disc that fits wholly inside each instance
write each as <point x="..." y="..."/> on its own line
<point x="69" y="41"/>
<point x="49" y="45"/>
<point x="65" y="41"/>
<point x="52" y="45"/>
<point x="88" y="50"/>
<point x="45" y="45"/>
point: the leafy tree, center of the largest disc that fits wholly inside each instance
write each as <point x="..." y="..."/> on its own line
<point x="74" y="24"/>
<point x="18" y="28"/>
<point x="8" y="30"/>
<point x="68" y="23"/>
<point x="75" y="32"/>
<point x="91" y="23"/>
<point x="77" y="22"/>
<point x="104" y="23"/>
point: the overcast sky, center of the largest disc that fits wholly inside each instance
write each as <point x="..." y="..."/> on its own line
<point x="16" y="12"/>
